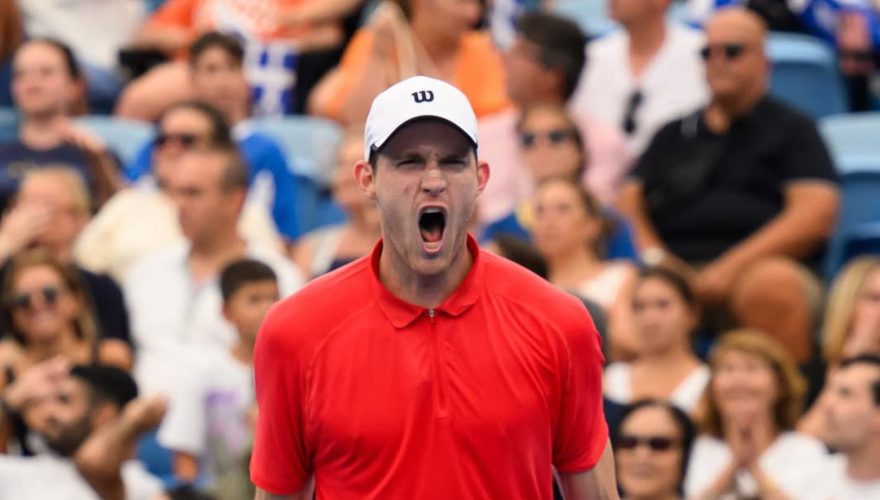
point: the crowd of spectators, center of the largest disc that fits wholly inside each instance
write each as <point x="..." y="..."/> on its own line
<point x="648" y="171"/>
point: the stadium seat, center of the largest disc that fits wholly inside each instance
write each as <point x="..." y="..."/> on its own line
<point x="308" y="143"/>
<point x="854" y="134"/>
<point x="857" y="230"/>
<point x="8" y="124"/>
<point x="805" y="74"/>
<point x="123" y="137"/>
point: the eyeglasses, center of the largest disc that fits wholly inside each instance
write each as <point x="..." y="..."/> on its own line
<point x="25" y="301"/>
<point x="630" y="125"/>
<point x="554" y="137"/>
<point x="731" y="51"/>
<point x="185" y="140"/>
<point x="655" y="443"/>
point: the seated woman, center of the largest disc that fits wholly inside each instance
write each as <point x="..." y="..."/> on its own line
<point x="651" y="450"/>
<point x="570" y="233"/>
<point x="552" y="146"/>
<point x="851" y="326"/>
<point x="749" y="448"/>
<point x="326" y="249"/>
<point x="48" y="316"/>
<point x="664" y="313"/>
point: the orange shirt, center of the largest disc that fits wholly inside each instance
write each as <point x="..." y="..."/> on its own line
<point x="378" y="398"/>
<point x="479" y="73"/>
<point x="257" y="18"/>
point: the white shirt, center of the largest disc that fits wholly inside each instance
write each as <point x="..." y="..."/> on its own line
<point x="51" y="477"/>
<point x="790" y="462"/>
<point x="687" y="396"/>
<point x="172" y="316"/>
<point x="833" y="483"/>
<point x="672" y="85"/>
<point x="208" y="413"/>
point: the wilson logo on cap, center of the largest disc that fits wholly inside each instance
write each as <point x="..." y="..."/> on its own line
<point x="423" y="96"/>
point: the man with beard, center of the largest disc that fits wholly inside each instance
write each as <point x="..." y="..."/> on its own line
<point x="69" y="406"/>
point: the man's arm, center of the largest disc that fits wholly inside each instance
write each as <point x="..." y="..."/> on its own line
<point x="631" y="203"/>
<point x="598" y="483"/>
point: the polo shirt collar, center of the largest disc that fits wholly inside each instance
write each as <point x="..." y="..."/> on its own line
<point x="401" y="313"/>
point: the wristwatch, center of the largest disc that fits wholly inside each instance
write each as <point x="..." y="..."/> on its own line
<point x="653" y="256"/>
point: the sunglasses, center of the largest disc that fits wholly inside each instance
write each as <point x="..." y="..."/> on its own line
<point x="25" y="301"/>
<point x="630" y="125"/>
<point x="655" y="443"/>
<point x="731" y="51"/>
<point x="554" y="137"/>
<point x="185" y="140"/>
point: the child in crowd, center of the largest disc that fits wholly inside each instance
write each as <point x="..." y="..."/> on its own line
<point x="208" y="425"/>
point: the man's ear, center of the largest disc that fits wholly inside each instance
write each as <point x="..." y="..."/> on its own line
<point x="482" y="175"/>
<point x="103" y="415"/>
<point x="366" y="178"/>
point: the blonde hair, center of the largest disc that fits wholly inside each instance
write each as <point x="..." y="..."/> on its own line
<point x="842" y="298"/>
<point x="71" y="180"/>
<point x="791" y="384"/>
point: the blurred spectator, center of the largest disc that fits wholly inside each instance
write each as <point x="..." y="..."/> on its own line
<point x="851" y="327"/>
<point x="218" y="79"/>
<point x="664" y="365"/>
<point x="11" y="36"/>
<point x="95" y="30"/>
<point x="84" y="405"/>
<point x="570" y="233"/>
<point x="174" y="295"/>
<point x="273" y="38"/>
<point x="408" y="37"/>
<point x="852" y="414"/>
<point x="776" y="13"/>
<point x="207" y="425"/>
<point x="141" y="220"/>
<point x="755" y="397"/>
<point x="46" y="83"/>
<point x="542" y="68"/>
<point x="740" y="196"/>
<point x="332" y="247"/>
<point x="50" y="210"/>
<point x="652" y="447"/>
<point x="645" y="75"/>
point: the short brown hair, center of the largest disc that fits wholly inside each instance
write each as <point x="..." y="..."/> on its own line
<point x="792" y="385"/>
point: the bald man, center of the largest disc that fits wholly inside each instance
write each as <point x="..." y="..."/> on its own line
<point x="741" y="195"/>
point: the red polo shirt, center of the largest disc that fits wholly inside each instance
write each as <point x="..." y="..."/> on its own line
<point x="379" y="398"/>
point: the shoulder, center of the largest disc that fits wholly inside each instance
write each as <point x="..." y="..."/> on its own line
<point x="160" y="264"/>
<point x="686" y="36"/>
<point x="795" y="121"/>
<point x="795" y="443"/>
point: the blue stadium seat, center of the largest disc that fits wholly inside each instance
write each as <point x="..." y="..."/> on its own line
<point x="805" y="74"/>
<point x="854" y="134"/>
<point x="308" y="143"/>
<point x="124" y="137"/>
<point x="8" y="124"/>
<point x="857" y="228"/>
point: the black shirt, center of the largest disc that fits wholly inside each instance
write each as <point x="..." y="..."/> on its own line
<point x="706" y="192"/>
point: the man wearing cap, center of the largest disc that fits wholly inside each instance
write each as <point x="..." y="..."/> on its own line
<point x="428" y="369"/>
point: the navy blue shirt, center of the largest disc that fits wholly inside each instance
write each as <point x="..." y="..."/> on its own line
<point x="16" y="159"/>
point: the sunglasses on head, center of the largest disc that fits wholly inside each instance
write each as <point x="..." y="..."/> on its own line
<point x="731" y="51"/>
<point x="655" y="443"/>
<point x="25" y="301"/>
<point x="185" y="140"/>
<point x="556" y="136"/>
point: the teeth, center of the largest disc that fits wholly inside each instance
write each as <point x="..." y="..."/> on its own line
<point x="432" y="210"/>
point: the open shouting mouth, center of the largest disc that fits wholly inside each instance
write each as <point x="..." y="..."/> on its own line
<point x="432" y="225"/>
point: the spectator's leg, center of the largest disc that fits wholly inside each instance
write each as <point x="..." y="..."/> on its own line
<point x="773" y="296"/>
<point x="146" y="97"/>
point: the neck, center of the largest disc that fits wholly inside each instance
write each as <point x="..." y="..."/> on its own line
<point x="646" y="36"/>
<point x="244" y="352"/>
<point x="41" y="131"/>
<point x="568" y="267"/>
<point x="721" y="111"/>
<point x="439" y="48"/>
<point x="673" y="355"/>
<point x="422" y="290"/>
<point x="217" y="245"/>
<point x="363" y="223"/>
<point x="864" y="464"/>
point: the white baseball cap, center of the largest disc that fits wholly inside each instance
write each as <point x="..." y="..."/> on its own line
<point x="413" y="98"/>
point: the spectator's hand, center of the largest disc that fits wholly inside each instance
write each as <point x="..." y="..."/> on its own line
<point x="21" y="226"/>
<point x="143" y="414"/>
<point x="715" y="282"/>
<point x="382" y="24"/>
<point x="745" y="450"/>
<point x="83" y="139"/>
<point x="37" y="384"/>
<point x="864" y="338"/>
